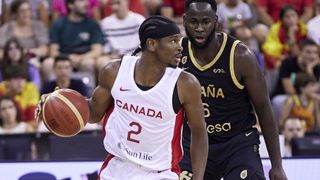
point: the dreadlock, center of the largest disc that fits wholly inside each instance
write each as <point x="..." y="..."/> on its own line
<point x="155" y="27"/>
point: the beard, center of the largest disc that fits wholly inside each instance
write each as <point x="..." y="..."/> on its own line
<point x="80" y="14"/>
<point x="206" y="43"/>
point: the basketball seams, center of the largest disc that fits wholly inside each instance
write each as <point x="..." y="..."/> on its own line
<point x="45" y="121"/>
<point x="71" y="106"/>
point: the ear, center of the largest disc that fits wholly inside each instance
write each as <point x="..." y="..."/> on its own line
<point x="184" y="19"/>
<point x="151" y="44"/>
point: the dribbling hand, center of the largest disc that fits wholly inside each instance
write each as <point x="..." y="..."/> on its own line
<point x="38" y="111"/>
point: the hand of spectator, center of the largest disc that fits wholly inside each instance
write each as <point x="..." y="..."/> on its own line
<point x="38" y="111"/>
<point x="75" y="59"/>
<point x="310" y="66"/>
<point x="277" y="173"/>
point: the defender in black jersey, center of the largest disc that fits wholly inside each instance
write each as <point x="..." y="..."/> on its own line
<point x="232" y="87"/>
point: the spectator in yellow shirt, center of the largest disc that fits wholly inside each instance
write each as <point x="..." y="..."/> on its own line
<point x="25" y="93"/>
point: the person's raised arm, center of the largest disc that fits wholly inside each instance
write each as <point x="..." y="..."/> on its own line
<point x="248" y="72"/>
<point x="190" y="98"/>
<point x="101" y="97"/>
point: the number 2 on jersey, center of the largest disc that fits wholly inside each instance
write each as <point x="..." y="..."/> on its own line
<point x="137" y="131"/>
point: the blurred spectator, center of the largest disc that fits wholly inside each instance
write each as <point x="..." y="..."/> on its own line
<point x="153" y="7"/>
<point x="134" y="6"/>
<point x="269" y="10"/>
<point x="233" y="13"/>
<point x="39" y="10"/>
<point x="121" y="31"/>
<point x="173" y="9"/>
<point x="63" y="70"/>
<point x="13" y="55"/>
<point x="31" y="34"/>
<point x="59" y="9"/>
<point x="305" y="104"/>
<point x="76" y="36"/>
<point x="244" y="34"/>
<point x="10" y="121"/>
<point x="24" y="93"/>
<point x="284" y="37"/>
<point x="314" y="24"/>
<point x="293" y="128"/>
<point x="307" y="62"/>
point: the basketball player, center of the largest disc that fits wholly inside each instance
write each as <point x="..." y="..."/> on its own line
<point x="143" y="100"/>
<point x="232" y="86"/>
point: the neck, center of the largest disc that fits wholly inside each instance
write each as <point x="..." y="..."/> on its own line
<point x="22" y="22"/>
<point x="148" y="70"/>
<point x="74" y="17"/>
<point x="207" y="54"/>
<point x="231" y="4"/>
<point x="63" y="83"/>
<point x="123" y="15"/>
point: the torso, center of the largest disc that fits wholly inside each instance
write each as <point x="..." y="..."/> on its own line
<point x="143" y="124"/>
<point x="228" y="111"/>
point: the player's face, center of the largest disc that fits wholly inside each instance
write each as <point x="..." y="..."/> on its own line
<point x="200" y="23"/>
<point x="63" y="69"/>
<point x="169" y="50"/>
<point x="8" y="111"/>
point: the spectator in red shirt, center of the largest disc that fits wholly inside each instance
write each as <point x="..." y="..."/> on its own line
<point x="173" y="9"/>
<point x="269" y="9"/>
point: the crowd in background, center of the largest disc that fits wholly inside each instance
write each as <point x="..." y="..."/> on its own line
<point x="64" y="43"/>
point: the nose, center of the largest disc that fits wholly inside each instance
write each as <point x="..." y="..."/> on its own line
<point x="199" y="28"/>
<point x="179" y="47"/>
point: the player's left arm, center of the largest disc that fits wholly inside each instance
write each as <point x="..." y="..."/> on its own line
<point x="249" y="74"/>
<point x="190" y="98"/>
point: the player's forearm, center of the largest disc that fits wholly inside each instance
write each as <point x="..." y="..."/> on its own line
<point x="199" y="154"/>
<point x="270" y="133"/>
<point x="95" y="116"/>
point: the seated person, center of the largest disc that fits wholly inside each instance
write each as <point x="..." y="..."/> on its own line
<point x="284" y="37"/>
<point x="24" y="93"/>
<point x="305" y="104"/>
<point x="13" y="55"/>
<point x="10" y="121"/>
<point x="76" y="36"/>
<point x="293" y="128"/>
<point x="63" y="69"/>
<point x="306" y="62"/>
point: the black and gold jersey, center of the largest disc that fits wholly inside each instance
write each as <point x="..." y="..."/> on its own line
<point x="227" y="106"/>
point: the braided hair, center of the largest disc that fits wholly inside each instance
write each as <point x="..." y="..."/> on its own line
<point x="150" y="29"/>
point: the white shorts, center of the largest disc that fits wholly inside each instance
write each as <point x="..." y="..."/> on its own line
<point x="118" y="169"/>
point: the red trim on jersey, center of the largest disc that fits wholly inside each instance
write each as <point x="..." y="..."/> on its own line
<point x="105" y="164"/>
<point x="105" y="120"/>
<point x="176" y="143"/>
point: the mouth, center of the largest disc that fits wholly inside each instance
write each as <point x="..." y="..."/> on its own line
<point x="178" y="57"/>
<point x="200" y="39"/>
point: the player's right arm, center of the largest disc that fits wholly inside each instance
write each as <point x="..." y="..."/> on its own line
<point x="101" y="97"/>
<point x="189" y="91"/>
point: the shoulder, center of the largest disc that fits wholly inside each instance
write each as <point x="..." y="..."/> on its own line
<point x="59" y="22"/>
<point x="136" y="16"/>
<point x="187" y="80"/>
<point x="243" y="54"/>
<point x="109" y="73"/>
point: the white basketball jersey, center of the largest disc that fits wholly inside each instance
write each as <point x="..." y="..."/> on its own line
<point x="143" y="127"/>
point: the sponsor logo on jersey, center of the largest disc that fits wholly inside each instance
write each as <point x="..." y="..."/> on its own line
<point x="219" y="127"/>
<point x="134" y="154"/>
<point x="146" y="111"/>
<point x="218" y="71"/>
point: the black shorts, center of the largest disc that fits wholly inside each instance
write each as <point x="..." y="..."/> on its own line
<point x="244" y="163"/>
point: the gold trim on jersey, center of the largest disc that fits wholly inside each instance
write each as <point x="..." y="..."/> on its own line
<point x="207" y="66"/>
<point x="232" y="72"/>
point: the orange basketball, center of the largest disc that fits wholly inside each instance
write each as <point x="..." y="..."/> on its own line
<point x="65" y="112"/>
